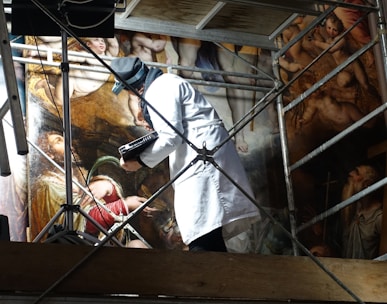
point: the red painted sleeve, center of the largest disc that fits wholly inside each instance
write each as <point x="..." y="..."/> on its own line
<point x="102" y="217"/>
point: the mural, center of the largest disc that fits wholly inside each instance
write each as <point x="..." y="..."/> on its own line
<point x="351" y="94"/>
<point x="102" y="121"/>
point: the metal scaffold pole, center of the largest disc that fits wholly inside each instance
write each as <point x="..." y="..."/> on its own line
<point x="12" y="103"/>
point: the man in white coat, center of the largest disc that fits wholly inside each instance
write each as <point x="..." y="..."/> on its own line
<point x="209" y="207"/>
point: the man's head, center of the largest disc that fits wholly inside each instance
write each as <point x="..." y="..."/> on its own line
<point x="52" y="143"/>
<point x="130" y="69"/>
<point x="362" y="177"/>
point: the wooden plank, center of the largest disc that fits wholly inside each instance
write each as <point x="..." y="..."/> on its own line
<point x="31" y="267"/>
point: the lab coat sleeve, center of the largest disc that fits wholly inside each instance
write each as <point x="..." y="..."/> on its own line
<point x="166" y="96"/>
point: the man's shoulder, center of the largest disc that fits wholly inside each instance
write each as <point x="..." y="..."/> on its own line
<point x="171" y="75"/>
<point x="166" y="78"/>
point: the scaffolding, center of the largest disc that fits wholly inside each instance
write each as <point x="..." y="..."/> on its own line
<point x="12" y="104"/>
<point x="274" y="95"/>
<point x="376" y="19"/>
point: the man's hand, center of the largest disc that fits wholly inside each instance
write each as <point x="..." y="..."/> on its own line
<point x="130" y="165"/>
<point x="99" y="189"/>
<point x="133" y="202"/>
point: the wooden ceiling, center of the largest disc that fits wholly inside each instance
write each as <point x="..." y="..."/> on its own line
<point x="241" y="22"/>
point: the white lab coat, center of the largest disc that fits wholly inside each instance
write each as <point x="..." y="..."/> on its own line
<point x="205" y="199"/>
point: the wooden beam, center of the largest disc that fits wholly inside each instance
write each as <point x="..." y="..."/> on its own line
<point x="34" y="268"/>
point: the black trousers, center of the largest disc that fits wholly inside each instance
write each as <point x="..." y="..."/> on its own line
<point x="212" y="241"/>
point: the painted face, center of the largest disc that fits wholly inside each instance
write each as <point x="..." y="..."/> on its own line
<point x="98" y="45"/>
<point x="331" y="28"/>
<point x="357" y="176"/>
<point x="56" y="143"/>
<point x="57" y="149"/>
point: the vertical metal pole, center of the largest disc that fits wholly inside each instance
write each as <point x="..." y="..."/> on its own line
<point x="5" y="169"/>
<point x="382" y="35"/>
<point x="383" y="48"/>
<point x="12" y="92"/>
<point x="286" y="161"/>
<point x="67" y="132"/>
<point x="288" y="180"/>
<point x="373" y="21"/>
